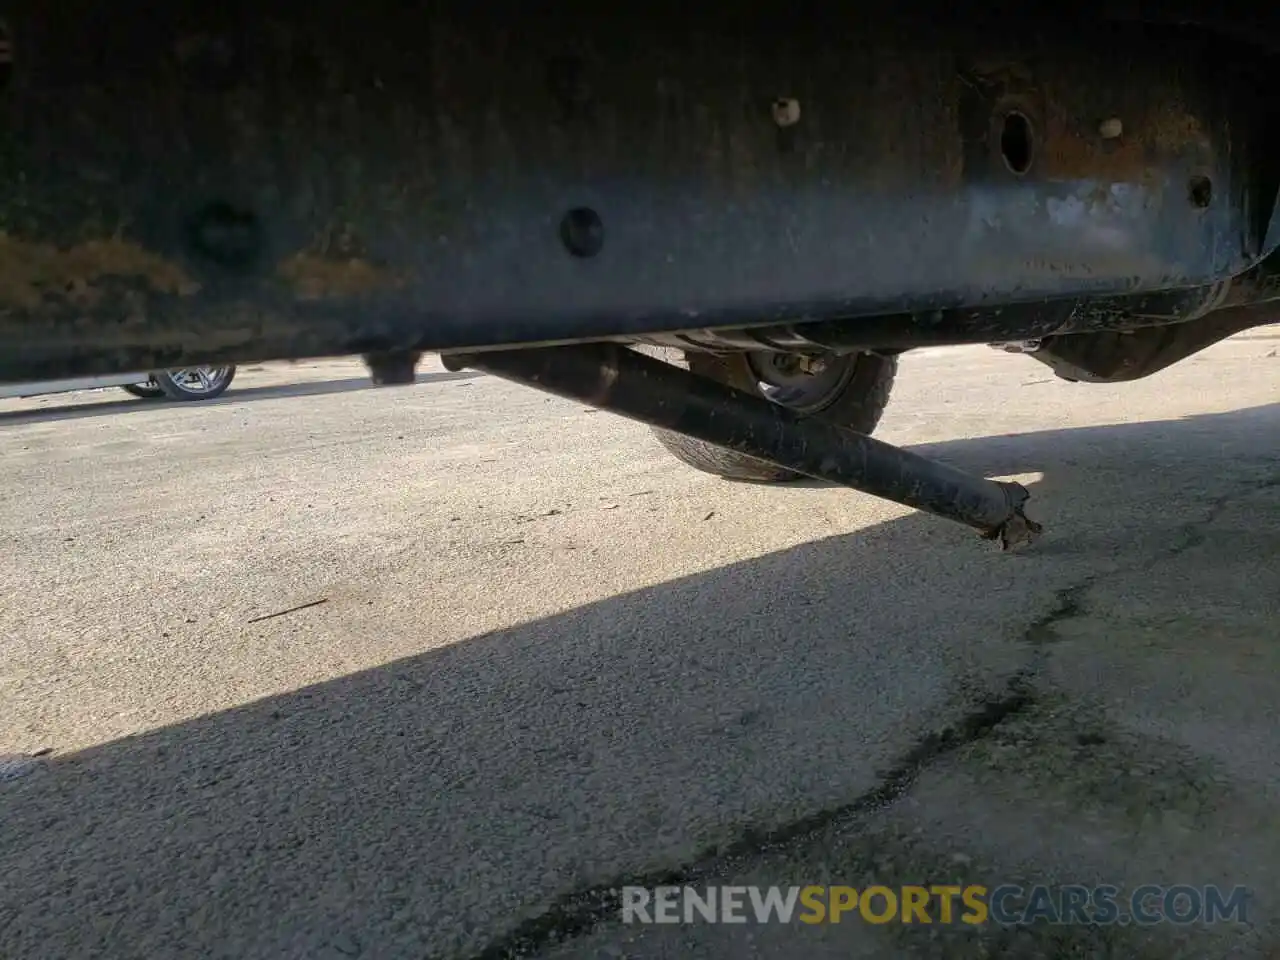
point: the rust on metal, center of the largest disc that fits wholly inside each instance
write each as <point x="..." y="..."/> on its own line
<point x="313" y="276"/>
<point x="33" y="275"/>
<point x="1073" y="148"/>
<point x="1140" y="127"/>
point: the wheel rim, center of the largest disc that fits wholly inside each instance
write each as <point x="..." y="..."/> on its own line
<point x="803" y="384"/>
<point x="200" y="380"/>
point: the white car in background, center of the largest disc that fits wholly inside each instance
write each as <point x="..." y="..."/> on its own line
<point x="184" y="383"/>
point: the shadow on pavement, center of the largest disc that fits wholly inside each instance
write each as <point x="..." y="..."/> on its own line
<point x="234" y="394"/>
<point x="424" y="807"/>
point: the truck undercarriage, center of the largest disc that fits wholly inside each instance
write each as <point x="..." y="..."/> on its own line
<point x="548" y="194"/>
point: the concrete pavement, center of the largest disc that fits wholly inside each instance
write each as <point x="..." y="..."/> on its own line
<point x="542" y="658"/>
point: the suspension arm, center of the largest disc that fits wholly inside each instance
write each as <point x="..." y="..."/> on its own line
<point x="620" y="380"/>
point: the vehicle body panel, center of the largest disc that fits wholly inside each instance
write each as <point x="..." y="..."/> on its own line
<point x="67" y="385"/>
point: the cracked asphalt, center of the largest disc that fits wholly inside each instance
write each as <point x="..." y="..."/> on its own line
<point x="321" y="671"/>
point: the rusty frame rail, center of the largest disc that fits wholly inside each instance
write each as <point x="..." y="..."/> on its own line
<point x="190" y="182"/>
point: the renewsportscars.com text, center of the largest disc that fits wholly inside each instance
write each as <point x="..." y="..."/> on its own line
<point x="969" y="904"/>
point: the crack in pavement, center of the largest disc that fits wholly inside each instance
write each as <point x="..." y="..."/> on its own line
<point x="1069" y="601"/>
<point x="581" y="911"/>
<point x="1193" y="533"/>
<point x="1068" y="604"/>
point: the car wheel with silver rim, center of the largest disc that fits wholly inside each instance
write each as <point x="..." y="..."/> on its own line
<point x="194" y="383"/>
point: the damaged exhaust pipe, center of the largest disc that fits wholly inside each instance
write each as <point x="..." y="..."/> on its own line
<point x="614" y="378"/>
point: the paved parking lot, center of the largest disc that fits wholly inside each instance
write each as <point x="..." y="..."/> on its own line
<point x="315" y="670"/>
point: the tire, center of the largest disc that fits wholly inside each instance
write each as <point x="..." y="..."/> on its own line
<point x="147" y="391"/>
<point x="856" y="400"/>
<point x="194" y="383"/>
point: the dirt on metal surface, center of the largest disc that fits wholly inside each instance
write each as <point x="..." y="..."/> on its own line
<point x="35" y="274"/>
<point x="316" y="277"/>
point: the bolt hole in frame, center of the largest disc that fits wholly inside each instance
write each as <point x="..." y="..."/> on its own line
<point x="1017" y="142"/>
<point x="1200" y="191"/>
<point x="226" y="235"/>
<point x="582" y="232"/>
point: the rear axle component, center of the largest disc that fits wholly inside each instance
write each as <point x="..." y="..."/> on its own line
<point x="628" y="383"/>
